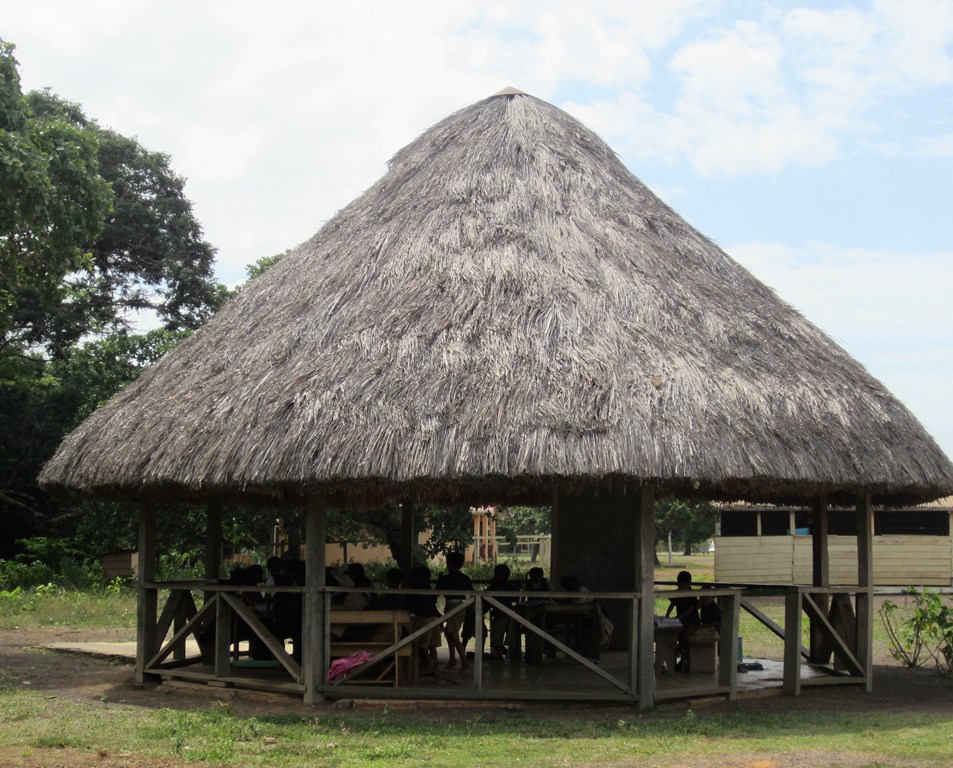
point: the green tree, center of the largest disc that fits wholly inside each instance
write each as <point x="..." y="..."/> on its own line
<point x="41" y="400"/>
<point x="512" y="522"/>
<point x="263" y="265"/>
<point x="93" y="228"/>
<point x="53" y="204"/>
<point x="448" y="527"/>
<point x="31" y="424"/>
<point x="689" y="522"/>
<point x="150" y="255"/>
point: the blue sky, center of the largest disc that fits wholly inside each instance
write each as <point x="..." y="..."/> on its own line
<point x="813" y="141"/>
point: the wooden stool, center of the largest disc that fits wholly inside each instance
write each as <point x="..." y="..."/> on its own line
<point x="702" y="654"/>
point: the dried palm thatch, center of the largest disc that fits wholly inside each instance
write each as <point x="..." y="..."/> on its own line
<point x="507" y="309"/>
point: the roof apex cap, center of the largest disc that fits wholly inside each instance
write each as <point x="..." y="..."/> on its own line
<point x="511" y="91"/>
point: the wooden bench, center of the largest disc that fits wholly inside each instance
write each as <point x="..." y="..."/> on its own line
<point x="390" y="626"/>
<point x="702" y="653"/>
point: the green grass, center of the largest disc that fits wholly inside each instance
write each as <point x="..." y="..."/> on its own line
<point x="33" y="723"/>
<point x="701" y="566"/>
<point x="54" y="607"/>
<point x="497" y="736"/>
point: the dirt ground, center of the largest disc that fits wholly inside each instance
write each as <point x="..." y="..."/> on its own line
<point x="82" y="678"/>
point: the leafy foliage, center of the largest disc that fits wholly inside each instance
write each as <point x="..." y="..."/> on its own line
<point x="16" y="575"/>
<point x="94" y="229"/>
<point x="450" y="528"/>
<point x="150" y="254"/>
<point x="263" y="265"/>
<point x="98" y="369"/>
<point x="922" y="631"/>
<point x="512" y="522"/>
<point x="53" y="203"/>
<point x="690" y="522"/>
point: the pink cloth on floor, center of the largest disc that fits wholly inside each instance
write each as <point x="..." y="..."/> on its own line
<point x="346" y="664"/>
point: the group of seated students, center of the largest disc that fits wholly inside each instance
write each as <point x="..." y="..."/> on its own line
<point x="281" y="612"/>
<point x="697" y="614"/>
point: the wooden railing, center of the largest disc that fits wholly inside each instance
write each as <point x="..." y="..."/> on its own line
<point x="840" y="632"/>
<point x="219" y="621"/>
<point x="840" y="635"/>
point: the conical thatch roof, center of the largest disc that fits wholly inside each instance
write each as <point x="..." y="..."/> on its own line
<point x="506" y="309"/>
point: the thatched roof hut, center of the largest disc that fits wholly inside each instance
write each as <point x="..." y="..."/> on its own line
<point x="508" y="309"/>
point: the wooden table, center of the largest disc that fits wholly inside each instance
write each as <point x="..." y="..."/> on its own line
<point x="578" y="625"/>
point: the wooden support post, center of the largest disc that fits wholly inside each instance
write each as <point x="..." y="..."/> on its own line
<point x="213" y="540"/>
<point x="645" y="584"/>
<point x="820" y="651"/>
<point x="408" y="536"/>
<point x="315" y="625"/>
<point x="293" y="532"/>
<point x="792" y="642"/>
<point x="728" y="644"/>
<point x="865" y="593"/>
<point x="491" y="537"/>
<point x="555" y="556"/>
<point x="213" y="551"/>
<point x="223" y="638"/>
<point x="147" y="643"/>
<point x="478" y="642"/>
<point x="179" y="619"/>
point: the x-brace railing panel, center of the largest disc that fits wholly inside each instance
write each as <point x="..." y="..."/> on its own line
<point x="541" y="632"/>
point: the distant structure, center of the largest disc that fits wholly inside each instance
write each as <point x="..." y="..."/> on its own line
<point x="912" y="546"/>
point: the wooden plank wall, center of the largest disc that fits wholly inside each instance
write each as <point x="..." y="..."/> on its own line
<point x="898" y="560"/>
<point x="926" y="560"/>
<point x="754" y="559"/>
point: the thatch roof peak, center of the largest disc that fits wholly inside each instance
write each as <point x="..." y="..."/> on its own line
<point x="510" y="91"/>
<point x="507" y="310"/>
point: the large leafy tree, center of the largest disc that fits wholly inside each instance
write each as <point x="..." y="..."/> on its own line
<point x="449" y="528"/>
<point x="150" y="254"/>
<point x="93" y="229"/>
<point x="53" y="203"/>
<point x="513" y="522"/>
<point x="689" y="522"/>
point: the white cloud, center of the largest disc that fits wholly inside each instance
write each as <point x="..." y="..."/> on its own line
<point x="918" y="35"/>
<point x="860" y="294"/>
<point x="736" y="71"/>
<point x="761" y="93"/>
<point x="933" y="146"/>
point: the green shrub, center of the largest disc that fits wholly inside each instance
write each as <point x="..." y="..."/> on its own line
<point x="118" y="586"/>
<point x="920" y="631"/>
<point x="15" y="574"/>
<point x="12" y="595"/>
<point x="45" y="560"/>
<point x="174" y="566"/>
